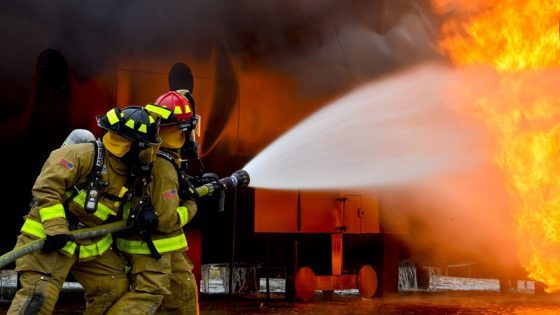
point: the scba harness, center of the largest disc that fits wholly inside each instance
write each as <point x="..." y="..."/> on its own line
<point x="187" y="190"/>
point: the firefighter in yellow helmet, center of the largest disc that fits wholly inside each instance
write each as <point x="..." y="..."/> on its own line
<point x="82" y="185"/>
<point x="162" y="273"/>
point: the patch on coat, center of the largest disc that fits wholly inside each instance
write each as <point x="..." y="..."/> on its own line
<point x="66" y="164"/>
<point x="170" y="194"/>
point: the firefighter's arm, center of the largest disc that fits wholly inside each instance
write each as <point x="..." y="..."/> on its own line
<point x="61" y="171"/>
<point x="191" y="208"/>
<point x="165" y="198"/>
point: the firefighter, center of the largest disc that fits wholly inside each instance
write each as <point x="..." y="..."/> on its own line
<point x="83" y="185"/>
<point x="161" y="275"/>
<point x="184" y="290"/>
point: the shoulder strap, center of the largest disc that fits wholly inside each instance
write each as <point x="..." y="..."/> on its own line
<point x="184" y="184"/>
<point x="98" y="158"/>
<point x="94" y="187"/>
<point x="166" y="156"/>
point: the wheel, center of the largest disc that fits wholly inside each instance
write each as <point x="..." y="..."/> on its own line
<point x="367" y="281"/>
<point x="305" y="284"/>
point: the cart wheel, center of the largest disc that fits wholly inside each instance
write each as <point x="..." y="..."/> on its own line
<point x="367" y="281"/>
<point x="305" y="283"/>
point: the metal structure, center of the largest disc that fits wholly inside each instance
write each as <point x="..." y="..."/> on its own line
<point x="331" y="213"/>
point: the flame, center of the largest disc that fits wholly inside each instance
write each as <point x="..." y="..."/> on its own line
<point x="511" y="50"/>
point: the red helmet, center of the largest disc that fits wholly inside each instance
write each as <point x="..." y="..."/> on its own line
<point x="178" y="104"/>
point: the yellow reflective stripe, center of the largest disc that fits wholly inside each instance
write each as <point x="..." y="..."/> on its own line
<point x="187" y="109"/>
<point x="152" y="120"/>
<point x="161" y="111"/>
<point x="102" y="212"/>
<point x="130" y="124"/>
<point x="112" y="117"/>
<point x="52" y="212"/>
<point x="163" y="245"/>
<point x="177" y="110"/>
<point x="34" y="228"/>
<point x="80" y="198"/>
<point x="126" y="210"/>
<point x="183" y="215"/>
<point x="70" y="247"/>
<point x="96" y="249"/>
<point x="123" y="191"/>
<point x="143" y="128"/>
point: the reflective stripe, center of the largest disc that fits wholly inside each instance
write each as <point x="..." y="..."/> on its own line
<point x="183" y="215"/>
<point x="112" y="116"/>
<point x="177" y="110"/>
<point x="34" y="228"/>
<point x="162" y="111"/>
<point x="70" y="247"/>
<point x="143" y="128"/>
<point x="102" y="212"/>
<point x="52" y="212"/>
<point x="130" y="124"/>
<point x="123" y="191"/>
<point x="187" y="109"/>
<point x="126" y="210"/>
<point x="96" y="249"/>
<point x="163" y="245"/>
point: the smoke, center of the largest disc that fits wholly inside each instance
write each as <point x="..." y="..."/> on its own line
<point x="368" y="37"/>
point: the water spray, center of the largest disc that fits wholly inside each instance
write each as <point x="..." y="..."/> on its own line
<point x="396" y="130"/>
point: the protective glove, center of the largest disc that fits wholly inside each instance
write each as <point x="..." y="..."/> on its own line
<point x="146" y="219"/>
<point x="54" y="243"/>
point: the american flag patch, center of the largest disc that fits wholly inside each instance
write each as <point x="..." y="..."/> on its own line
<point x="170" y="194"/>
<point x="66" y="164"/>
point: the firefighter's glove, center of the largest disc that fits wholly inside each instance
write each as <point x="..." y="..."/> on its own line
<point x="54" y="243"/>
<point x="146" y="219"/>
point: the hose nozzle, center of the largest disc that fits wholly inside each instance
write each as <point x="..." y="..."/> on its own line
<point x="238" y="178"/>
<point x="213" y="184"/>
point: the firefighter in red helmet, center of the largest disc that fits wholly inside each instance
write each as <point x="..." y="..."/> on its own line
<point x="166" y="282"/>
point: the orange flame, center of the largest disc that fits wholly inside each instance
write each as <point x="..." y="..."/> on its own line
<point x="518" y="101"/>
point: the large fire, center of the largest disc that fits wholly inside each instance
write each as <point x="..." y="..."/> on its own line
<point x="512" y="50"/>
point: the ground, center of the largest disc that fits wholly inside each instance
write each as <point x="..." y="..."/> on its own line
<point x="414" y="303"/>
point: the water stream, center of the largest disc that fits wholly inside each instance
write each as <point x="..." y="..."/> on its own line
<point x="394" y="130"/>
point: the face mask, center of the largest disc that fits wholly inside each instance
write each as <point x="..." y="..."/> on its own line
<point x="139" y="160"/>
<point x="171" y="137"/>
<point x="148" y="154"/>
<point x="116" y="144"/>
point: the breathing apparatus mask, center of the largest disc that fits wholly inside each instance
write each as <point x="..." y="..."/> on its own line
<point x="192" y="132"/>
<point x="140" y="158"/>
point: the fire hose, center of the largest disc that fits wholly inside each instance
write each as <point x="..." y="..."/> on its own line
<point x="238" y="178"/>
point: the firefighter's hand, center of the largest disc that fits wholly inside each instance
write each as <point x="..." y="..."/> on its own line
<point x="146" y="219"/>
<point x="54" y="243"/>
